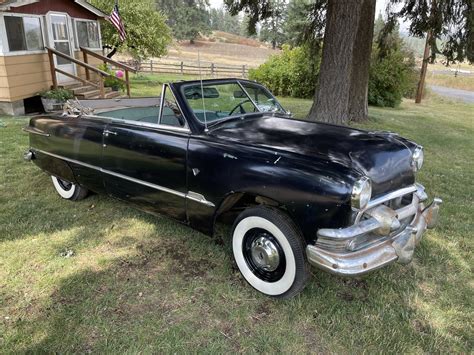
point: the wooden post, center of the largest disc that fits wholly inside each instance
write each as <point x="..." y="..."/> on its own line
<point x="182" y="68"/>
<point x="53" y="69"/>
<point x="424" y="67"/>
<point x="101" y="87"/>
<point x="212" y="69"/>
<point x="151" y="65"/>
<point x="243" y="71"/>
<point x="128" y="83"/>
<point x="88" y="76"/>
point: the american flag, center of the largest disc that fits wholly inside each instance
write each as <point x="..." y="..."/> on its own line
<point x="117" y="22"/>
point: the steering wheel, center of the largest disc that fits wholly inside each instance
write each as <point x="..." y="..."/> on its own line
<point x="239" y="105"/>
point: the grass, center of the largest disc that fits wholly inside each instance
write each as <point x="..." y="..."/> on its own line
<point x="139" y="283"/>
<point x="462" y="82"/>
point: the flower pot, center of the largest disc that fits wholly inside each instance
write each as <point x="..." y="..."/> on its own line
<point x="115" y="88"/>
<point x="51" y="105"/>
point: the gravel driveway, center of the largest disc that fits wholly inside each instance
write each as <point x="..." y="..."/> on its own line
<point x="463" y="95"/>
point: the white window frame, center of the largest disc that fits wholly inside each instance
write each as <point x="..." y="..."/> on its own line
<point x="4" y="48"/>
<point x="76" y="37"/>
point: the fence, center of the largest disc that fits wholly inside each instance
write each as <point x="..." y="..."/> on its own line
<point x="205" y="69"/>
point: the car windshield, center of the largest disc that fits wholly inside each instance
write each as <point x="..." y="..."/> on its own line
<point x="216" y="101"/>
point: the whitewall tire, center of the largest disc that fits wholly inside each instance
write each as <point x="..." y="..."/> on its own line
<point x="270" y="252"/>
<point x="68" y="190"/>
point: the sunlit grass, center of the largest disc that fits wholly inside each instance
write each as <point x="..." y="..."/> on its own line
<point x="140" y="283"/>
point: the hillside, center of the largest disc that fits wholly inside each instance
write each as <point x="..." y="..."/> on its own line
<point x="221" y="48"/>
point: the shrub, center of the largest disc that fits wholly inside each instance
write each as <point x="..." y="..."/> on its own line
<point x="391" y="78"/>
<point x="58" y="94"/>
<point x="293" y="72"/>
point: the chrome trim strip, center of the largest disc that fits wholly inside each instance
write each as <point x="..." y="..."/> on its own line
<point x="190" y="195"/>
<point x="194" y="196"/>
<point x="34" y="131"/>
<point x="140" y="124"/>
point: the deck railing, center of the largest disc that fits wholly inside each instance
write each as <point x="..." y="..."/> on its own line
<point x="86" y="52"/>
<point x="88" y="69"/>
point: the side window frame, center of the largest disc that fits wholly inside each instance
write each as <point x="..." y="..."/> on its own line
<point x="257" y="87"/>
<point x="166" y="88"/>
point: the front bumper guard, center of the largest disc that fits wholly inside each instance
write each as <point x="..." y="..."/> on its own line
<point x="398" y="248"/>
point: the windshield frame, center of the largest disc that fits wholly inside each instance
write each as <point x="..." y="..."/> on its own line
<point x="208" y="82"/>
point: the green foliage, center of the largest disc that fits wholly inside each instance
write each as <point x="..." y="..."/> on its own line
<point x="393" y="72"/>
<point x="272" y="29"/>
<point x="187" y="18"/>
<point x="293" y="73"/>
<point x="147" y="32"/>
<point x="222" y="20"/>
<point x="58" y="94"/>
<point x="450" y="22"/>
<point x="391" y="78"/>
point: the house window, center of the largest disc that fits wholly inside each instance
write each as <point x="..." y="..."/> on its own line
<point x="24" y="33"/>
<point x="87" y="34"/>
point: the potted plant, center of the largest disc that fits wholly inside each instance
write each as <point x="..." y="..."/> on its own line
<point x="114" y="80"/>
<point x="54" y="99"/>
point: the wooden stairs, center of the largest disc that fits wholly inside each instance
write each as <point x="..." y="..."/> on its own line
<point x="86" y="88"/>
<point x="84" y="91"/>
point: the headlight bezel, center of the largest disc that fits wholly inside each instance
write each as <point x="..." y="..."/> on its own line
<point x="361" y="193"/>
<point x="418" y="157"/>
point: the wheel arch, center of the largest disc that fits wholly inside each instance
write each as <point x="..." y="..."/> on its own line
<point x="236" y="201"/>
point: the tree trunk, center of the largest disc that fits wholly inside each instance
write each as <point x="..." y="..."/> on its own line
<point x="341" y="95"/>
<point x="424" y="68"/>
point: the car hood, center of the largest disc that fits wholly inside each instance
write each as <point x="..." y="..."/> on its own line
<point x="384" y="158"/>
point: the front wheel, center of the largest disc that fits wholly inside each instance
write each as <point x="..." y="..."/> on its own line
<point x="270" y="252"/>
<point x="68" y="190"/>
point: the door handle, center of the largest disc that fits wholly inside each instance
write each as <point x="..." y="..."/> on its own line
<point x="107" y="132"/>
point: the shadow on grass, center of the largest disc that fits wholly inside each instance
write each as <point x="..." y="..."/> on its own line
<point x="180" y="292"/>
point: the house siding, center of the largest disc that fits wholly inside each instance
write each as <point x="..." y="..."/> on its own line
<point x="24" y="76"/>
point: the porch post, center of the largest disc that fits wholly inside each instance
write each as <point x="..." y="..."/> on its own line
<point x="53" y="69"/>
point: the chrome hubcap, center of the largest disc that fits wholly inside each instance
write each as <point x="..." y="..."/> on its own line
<point x="265" y="254"/>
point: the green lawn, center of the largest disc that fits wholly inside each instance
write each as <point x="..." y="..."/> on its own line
<point x="139" y="283"/>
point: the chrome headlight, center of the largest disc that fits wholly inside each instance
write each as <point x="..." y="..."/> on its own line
<point x="417" y="158"/>
<point x="361" y="193"/>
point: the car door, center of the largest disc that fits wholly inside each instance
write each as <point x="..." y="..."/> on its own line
<point x="144" y="158"/>
<point x="77" y="141"/>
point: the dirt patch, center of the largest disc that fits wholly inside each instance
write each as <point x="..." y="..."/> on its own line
<point x="354" y="290"/>
<point x="183" y="261"/>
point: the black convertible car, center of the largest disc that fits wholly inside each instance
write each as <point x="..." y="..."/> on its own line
<point x="298" y="193"/>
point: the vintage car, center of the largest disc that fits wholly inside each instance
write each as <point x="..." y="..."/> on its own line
<point x="298" y="193"/>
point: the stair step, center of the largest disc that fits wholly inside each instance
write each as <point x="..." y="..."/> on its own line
<point x="84" y="88"/>
<point x="88" y="94"/>
<point x="71" y="85"/>
<point x="95" y="94"/>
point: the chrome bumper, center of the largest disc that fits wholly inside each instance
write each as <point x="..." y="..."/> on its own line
<point x="375" y="241"/>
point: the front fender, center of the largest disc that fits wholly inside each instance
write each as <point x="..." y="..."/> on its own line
<point x="315" y="192"/>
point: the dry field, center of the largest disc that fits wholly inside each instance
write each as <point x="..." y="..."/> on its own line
<point x="219" y="48"/>
<point x="219" y="53"/>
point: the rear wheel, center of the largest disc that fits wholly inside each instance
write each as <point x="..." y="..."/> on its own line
<point x="270" y="252"/>
<point x="68" y="190"/>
